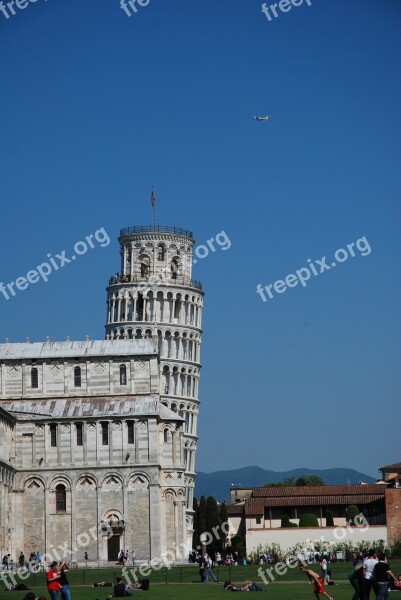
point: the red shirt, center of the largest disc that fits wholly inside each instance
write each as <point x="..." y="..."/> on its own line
<point x="52" y="585"/>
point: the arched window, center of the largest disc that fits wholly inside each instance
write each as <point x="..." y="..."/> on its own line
<point x="145" y="266"/>
<point x="77" y="376"/>
<point x="165" y="438"/>
<point x="105" y="433"/>
<point x="61" y="499"/>
<point x="161" y="252"/>
<point x="34" y="378"/>
<point x="174" y="268"/>
<point x="53" y="435"/>
<point x="123" y="375"/>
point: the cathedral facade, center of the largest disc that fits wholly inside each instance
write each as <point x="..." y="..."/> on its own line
<point x="98" y="438"/>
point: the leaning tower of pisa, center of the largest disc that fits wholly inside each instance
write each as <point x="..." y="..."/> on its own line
<point x="155" y="296"/>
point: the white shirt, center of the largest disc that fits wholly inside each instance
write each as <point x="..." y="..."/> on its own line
<point x="369" y="565"/>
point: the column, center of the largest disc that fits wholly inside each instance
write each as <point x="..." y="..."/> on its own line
<point x="181" y="449"/>
<point x="124" y="269"/>
<point x="134" y="312"/>
<point x="44" y="379"/>
<point x="124" y="438"/>
<point x="177" y="531"/>
<point x="155" y="522"/>
<point x="185" y="551"/>
<point x="132" y="263"/>
<point x="85" y="442"/>
<point x="73" y="522"/>
<point x="58" y="440"/>
<point x="46" y="510"/>
<point x="125" y="504"/>
<point x="98" y="429"/>
<point x="72" y="444"/>
<point x="174" y="447"/>
<point x="111" y="436"/>
<point x="136" y="438"/>
<point x="119" y="309"/>
<point x="99" y="535"/>
<point x="153" y="441"/>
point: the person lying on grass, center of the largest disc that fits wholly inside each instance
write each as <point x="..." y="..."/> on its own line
<point x="317" y="582"/>
<point x="247" y="586"/>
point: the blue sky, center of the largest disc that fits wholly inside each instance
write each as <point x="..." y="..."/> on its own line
<point x="97" y="107"/>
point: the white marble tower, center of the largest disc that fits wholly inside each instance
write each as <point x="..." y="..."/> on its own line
<point x="154" y="296"/>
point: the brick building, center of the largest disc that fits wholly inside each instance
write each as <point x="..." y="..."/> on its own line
<point x="256" y="512"/>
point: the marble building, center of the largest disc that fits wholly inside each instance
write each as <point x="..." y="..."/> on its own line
<point x="98" y="438"/>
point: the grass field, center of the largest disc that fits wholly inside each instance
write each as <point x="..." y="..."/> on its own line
<point x="276" y="591"/>
<point x="183" y="583"/>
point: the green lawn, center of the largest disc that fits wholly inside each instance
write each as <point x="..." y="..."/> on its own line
<point x="189" y="574"/>
<point x="282" y="591"/>
<point x="182" y="583"/>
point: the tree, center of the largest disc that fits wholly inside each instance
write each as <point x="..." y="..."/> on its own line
<point x="285" y="521"/>
<point x="352" y="512"/>
<point x="289" y="481"/>
<point x="223" y="521"/>
<point x="238" y="545"/>
<point x="308" y="520"/>
<point x="213" y="527"/>
<point x="308" y="480"/>
<point x="196" y="540"/>
<point x="202" y="516"/>
<point x="329" y="518"/>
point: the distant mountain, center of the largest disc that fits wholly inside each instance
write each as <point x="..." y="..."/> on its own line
<point x="218" y="483"/>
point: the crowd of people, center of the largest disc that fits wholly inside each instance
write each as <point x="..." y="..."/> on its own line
<point x="8" y="564"/>
<point x="125" y="557"/>
<point x="372" y="572"/>
<point x="231" y="559"/>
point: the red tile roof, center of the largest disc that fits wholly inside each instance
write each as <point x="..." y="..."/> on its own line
<point x="321" y="490"/>
<point x="235" y="509"/>
<point x="395" y="467"/>
<point x="256" y="506"/>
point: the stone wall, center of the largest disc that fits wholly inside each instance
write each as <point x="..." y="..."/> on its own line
<point x="289" y="537"/>
<point x="393" y="512"/>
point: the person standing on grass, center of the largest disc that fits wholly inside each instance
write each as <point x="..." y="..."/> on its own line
<point x="52" y="578"/>
<point x="368" y="581"/>
<point x="202" y="567"/>
<point x="323" y="566"/>
<point x="209" y="569"/>
<point x="63" y="581"/>
<point x="133" y="558"/>
<point x="356" y="578"/>
<point x="381" y="574"/>
<point x="317" y="582"/>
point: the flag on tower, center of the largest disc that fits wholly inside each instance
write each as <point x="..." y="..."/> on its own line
<point x="152" y="200"/>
